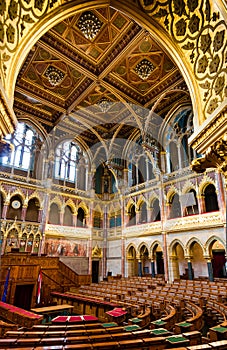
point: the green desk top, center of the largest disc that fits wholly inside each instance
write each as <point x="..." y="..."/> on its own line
<point x="135" y="320"/>
<point x="184" y="324"/>
<point x="220" y="329"/>
<point x="110" y="324"/>
<point x="176" y="339"/>
<point x="158" y="322"/>
<point x="159" y="331"/>
<point x="131" y="328"/>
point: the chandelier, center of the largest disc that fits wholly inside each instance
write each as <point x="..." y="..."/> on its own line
<point x="54" y="75"/>
<point x="89" y="25"/>
<point x="144" y="69"/>
<point x="104" y="104"/>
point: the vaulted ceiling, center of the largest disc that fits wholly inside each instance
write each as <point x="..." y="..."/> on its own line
<point x="93" y="74"/>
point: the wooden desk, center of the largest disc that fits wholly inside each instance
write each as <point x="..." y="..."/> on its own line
<point x="177" y="340"/>
<point x="157" y="324"/>
<point x="195" y="337"/>
<point x="161" y="332"/>
<point x="133" y="344"/>
<point x="51" y="311"/>
<point x="183" y="327"/>
<point x="154" y="343"/>
<point x="199" y="347"/>
<point x="78" y="346"/>
<point x="219" y="345"/>
<point x="218" y="333"/>
<point x="105" y="345"/>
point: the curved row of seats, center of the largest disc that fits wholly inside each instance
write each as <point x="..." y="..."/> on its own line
<point x="96" y="336"/>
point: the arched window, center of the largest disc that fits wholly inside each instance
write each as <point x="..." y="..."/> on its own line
<point x="143" y="213"/>
<point x="191" y="203"/>
<point x="32" y="213"/>
<point x="174" y="161"/>
<point x="175" y="207"/>
<point x="80" y="217"/>
<point x="24" y="140"/>
<point x="54" y="214"/>
<point x="211" y="202"/>
<point x="142" y="176"/>
<point x="68" y="216"/>
<point x="156" y="214"/>
<point x="179" y="128"/>
<point x="15" y="208"/>
<point x="132" y="216"/>
<point x="68" y="155"/>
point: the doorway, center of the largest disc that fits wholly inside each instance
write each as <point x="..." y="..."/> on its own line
<point x="160" y="263"/>
<point x="218" y="263"/>
<point x="95" y="271"/>
<point x="23" y="296"/>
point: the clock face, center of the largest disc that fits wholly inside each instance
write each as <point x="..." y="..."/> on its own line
<point x="15" y="204"/>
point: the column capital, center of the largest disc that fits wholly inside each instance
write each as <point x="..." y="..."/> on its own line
<point x="207" y="258"/>
<point x="173" y="257"/>
<point x="188" y="258"/>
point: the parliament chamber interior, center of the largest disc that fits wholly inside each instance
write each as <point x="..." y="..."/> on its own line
<point x="113" y="174"/>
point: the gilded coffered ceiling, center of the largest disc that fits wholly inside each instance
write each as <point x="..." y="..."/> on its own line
<point x="69" y="76"/>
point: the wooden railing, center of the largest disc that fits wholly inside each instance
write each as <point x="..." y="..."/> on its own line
<point x="74" y="278"/>
<point x="197" y="318"/>
<point x="19" y="316"/>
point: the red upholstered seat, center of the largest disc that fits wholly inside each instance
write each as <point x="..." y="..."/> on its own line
<point x="60" y="319"/>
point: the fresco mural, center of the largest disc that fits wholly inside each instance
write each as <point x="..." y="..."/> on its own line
<point x="64" y="247"/>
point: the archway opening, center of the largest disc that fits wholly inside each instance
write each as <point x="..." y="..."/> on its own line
<point x="179" y="265"/>
<point x="217" y="251"/>
<point x="132" y="262"/>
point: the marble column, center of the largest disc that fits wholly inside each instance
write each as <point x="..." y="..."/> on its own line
<point x="140" y="268"/>
<point x="201" y="204"/>
<point x="23" y="212"/>
<point x="165" y="256"/>
<point x="152" y="268"/>
<point x="4" y="210"/>
<point x="210" y="269"/>
<point x="105" y="233"/>
<point x="190" y="270"/>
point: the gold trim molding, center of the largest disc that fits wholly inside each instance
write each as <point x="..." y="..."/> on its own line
<point x="8" y="119"/>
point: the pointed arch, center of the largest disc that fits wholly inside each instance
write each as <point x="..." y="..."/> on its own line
<point x="210" y="241"/>
<point x="130" y="203"/>
<point x="18" y="192"/>
<point x="141" y="245"/>
<point x="70" y="203"/>
<point x="174" y="243"/>
<point x="189" y="244"/>
<point x="56" y="200"/>
<point x="154" y="246"/>
<point x="129" y="247"/>
<point x="206" y="181"/>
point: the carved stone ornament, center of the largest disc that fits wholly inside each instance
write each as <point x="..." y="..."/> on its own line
<point x="97" y="252"/>
<point x="215" y="157"/>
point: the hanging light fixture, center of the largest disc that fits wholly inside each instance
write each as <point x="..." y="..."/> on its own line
<point x="104" y="104"/>
<point x="144" y="69"/>
<point x="89" y="25"/>
<point x="54" y="75"/>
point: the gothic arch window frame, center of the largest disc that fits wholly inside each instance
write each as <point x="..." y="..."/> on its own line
<point x="22" y="155"/>
<point x="66" y="160"/>
<point x="38" y="206"/>
<point x="194" y="208"/>
<point x="209" y="204"/>
<point x="172" y="133"/>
